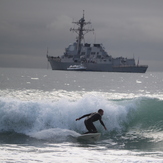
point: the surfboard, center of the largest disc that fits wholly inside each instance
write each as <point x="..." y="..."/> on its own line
<point x="90" y="136"/>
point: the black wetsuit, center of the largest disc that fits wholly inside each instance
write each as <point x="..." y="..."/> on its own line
<point x="92" y="117"/>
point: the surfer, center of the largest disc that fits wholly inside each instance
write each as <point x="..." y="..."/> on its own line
<point x="92" y="117"/>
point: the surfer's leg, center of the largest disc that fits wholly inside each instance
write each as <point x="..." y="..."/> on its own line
<point x="93" y="128"/>
<point x="88" y="126"/>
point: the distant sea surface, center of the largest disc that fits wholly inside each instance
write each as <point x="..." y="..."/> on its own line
<point x="38" y="108"/>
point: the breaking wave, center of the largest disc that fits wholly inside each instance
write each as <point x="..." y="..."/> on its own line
<point x="47" y="119"/>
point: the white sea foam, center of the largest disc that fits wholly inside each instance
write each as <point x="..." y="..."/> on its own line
<point x="34" y="116"/>
<point x="54" y="134"/>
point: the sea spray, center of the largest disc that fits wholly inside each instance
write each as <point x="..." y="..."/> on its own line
<point x="120" y="116"/>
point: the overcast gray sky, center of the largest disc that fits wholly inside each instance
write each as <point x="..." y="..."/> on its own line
<point x="124" y="27"/>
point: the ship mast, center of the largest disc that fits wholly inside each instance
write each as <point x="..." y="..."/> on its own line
<point x="81" y="31"/>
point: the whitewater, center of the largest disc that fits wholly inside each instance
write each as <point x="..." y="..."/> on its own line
<point x="38" y="108"/>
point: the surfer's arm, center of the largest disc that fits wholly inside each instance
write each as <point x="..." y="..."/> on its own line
<point x="86" y="115"/>
<point x="103" y="124"/>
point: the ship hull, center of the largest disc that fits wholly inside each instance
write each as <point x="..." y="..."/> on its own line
<point x="99" y="67"/>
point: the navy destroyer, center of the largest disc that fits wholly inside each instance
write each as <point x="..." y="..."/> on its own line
<point x="91" y="57"/>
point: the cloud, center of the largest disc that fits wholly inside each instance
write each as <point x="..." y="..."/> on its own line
<point x="124" y="27"/>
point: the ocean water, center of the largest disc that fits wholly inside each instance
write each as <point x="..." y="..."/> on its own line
<point x="38" y="108"/>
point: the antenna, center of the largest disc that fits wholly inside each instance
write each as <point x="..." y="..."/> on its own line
<point x="94" y="38"/>
<point x="81" y="31"/>
<point x="138" y="62"/>
<point x="47" y="52"/>
<point x="47" y="60"/>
